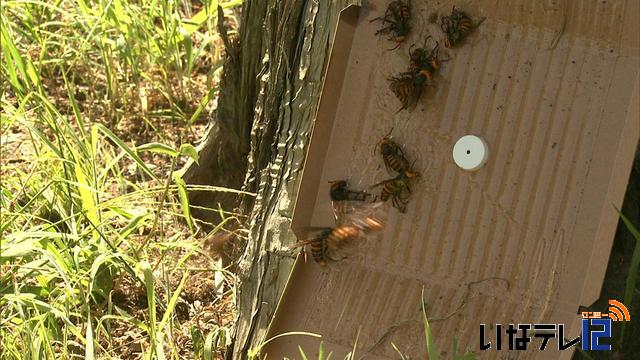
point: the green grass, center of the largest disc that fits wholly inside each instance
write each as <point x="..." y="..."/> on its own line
<point x="92" y="93"/>
<point x="145" y="61"/>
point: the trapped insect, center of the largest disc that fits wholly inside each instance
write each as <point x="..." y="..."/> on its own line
<point x="396" y="189"/>
<point x="396" y="21"/>
<point x="394" y="158"/>
<point x="421" y="59"/>
<point x="408" y="86"/>
<point x="456" y="26"/>
<point x="340" y="191"/>
<point x="330" y="244"/>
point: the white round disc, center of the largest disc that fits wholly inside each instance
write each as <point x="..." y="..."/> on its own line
<point x="470" y="152"/>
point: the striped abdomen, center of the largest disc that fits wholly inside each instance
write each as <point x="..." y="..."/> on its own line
<point x="465" y="25"/>
<point x="396" y="162"/>
<point x="341" y="235"/>
<point x="319" y="248"/>
<point x="394" y="159"/>
<point x="391" y="188"/>
<point x="398" y="191"/>
<point x="404" y="90"/>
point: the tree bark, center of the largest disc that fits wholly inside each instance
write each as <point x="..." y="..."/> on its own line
<point x="258" y="139"/>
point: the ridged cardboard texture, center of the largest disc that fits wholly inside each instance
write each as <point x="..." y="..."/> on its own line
<point x="552" y="87"/>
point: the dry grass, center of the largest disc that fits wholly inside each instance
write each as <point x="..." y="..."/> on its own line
<point x="101" y="102"/>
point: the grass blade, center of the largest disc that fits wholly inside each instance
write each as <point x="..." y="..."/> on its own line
<point x="209" y="344"/>
<point x="184" y="201"/>
<point x="321" y="351"/>
<point x="302" y="354"/>
<point x="108" y="133"/>
<point x="174" y="300"/>
<point x="156" y="341"/>
<point x="86" y="195"/>
<point x="190" y="151"/>
<point x="158" y="148"/>
<point x="432" y="351"/>
<point x="89" y="350"/>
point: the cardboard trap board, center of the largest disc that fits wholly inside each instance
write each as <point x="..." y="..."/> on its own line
<point x="552" y="87"/>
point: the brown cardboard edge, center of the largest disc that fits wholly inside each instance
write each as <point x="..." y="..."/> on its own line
<point x="324" y="119"/>
<point x="615" y="195"/>
<point x="598" y="260"/>
<point x="321" y="130"/>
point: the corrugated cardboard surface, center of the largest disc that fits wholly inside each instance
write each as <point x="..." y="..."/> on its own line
<point x="553" y="88"/>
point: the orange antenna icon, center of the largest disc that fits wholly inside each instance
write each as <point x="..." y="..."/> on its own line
<point x="618" y="312"/>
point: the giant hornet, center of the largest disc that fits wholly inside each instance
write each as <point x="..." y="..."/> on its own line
<point x="394" y="158"/>
<point x="421" y="60"/>
<point x="339" y="191"/>
<point x="456" y="27"/>
<point x="408" y="86"/>
<point x="342" y="199"/>
<point x="396" y="189"/>
<point x="395" y="21"/>
<point x="330" y="243"/>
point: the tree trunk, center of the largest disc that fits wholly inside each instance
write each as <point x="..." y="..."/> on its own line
<point x="258" y="138"/>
